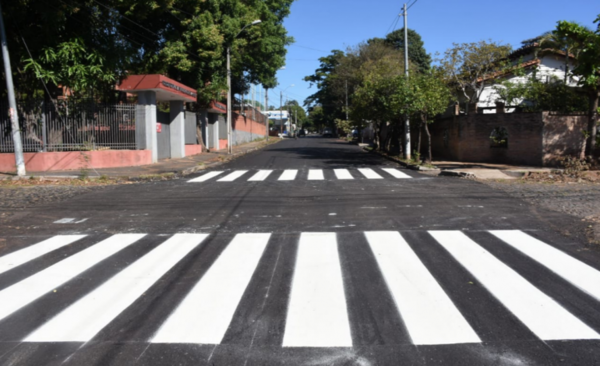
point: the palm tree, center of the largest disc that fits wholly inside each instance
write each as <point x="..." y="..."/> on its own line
<point x="551" y="40"/>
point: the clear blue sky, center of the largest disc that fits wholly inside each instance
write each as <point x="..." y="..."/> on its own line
<point x="320" y="26"/>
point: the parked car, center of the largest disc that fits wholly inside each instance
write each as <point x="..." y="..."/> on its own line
<point x="327" y="133"/>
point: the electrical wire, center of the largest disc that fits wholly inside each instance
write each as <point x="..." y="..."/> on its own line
<point x="394" y="23"/>
<point x="309" y="48"/>
<point x="411" y="5"/>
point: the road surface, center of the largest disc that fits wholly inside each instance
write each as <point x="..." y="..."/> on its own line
<point x="309" y="252"/>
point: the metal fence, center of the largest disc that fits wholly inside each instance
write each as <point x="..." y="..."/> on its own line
<point x="70" y="125"/>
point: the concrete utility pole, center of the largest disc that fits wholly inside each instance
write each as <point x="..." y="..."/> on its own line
<point x="281" y="113"/>
<point x="12" y="104"/>
<point x="229" y="149"/>
<point x="407" y="121"/>
<point x="281" y="108"/>
<point x="229" y="101"/>
<point x="266" y="109"/>
<point x="346" y="101"/>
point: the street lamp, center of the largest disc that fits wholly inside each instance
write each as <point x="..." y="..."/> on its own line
<point x="229" y="137"/>
<point x="280" y="108"/>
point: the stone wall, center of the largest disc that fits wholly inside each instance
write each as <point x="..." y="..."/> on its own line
<point x="536" y="139"/>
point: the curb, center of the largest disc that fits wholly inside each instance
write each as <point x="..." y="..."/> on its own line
<point x="452" y="173"/>
<point x="404" y="164"/>
<point x="198" y="168"/>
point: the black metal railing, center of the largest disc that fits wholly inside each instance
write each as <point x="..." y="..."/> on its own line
<point x="69" y="125"/>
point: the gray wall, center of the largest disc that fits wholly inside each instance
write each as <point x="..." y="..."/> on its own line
<point x="190" y="128"/>
<point x="164" y="137"/>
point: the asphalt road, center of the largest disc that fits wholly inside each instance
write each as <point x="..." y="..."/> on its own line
<point x="310" y="252"/>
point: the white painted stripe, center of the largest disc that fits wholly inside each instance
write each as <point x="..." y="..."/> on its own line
<point x="24" y="255"/>
<point x="584" y="277"/>
<point x="369" y="173"/>
<point x="315" y="174"/>
<point x="205" y="313"/>
<point x="428" y="313"/>
<point x="541" y="314"/>
<point x="343" y="174"/>
<point x="317" y="313"/>
<point x="233" y="176"/>
<point x="288" y="175"/>
<point x="260" y="176"/>
<point x="22" y="293"/>
<point x="396" y="173"/>
<point x="81" y="321"/>
<point x="205" y="177"/>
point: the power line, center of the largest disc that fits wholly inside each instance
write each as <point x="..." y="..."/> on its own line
<point x="123" y="16"/>
<point x="309" y="48"/>
<point x="394" y="23"/>
<point x="410" y="6"/>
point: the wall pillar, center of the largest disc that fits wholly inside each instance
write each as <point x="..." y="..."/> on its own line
<point x="177" y="129"/>
<point x="145" y="123"/>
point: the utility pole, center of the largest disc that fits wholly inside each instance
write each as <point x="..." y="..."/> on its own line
<point x="229" y="101"/>
<point x="12" y="104"/>
<point x="281" y="113"/>
<point x="346" y="101"/>
<point x="266" y="109"/>
<point x="406" y="121"/>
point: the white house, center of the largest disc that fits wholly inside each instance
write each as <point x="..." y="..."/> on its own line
<point x="548" y="64"/>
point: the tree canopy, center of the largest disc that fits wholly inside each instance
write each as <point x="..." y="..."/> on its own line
<point x="184" y="39"/>
<point x="416" y="48"/>
<point x="588" y="68"/>
<point x="470" y="67"/>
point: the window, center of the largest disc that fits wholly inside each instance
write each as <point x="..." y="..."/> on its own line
<point x="499" y="137"/>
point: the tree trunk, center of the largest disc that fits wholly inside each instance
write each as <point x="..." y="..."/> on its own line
<point x="590" y="146"/>
<point x="380" y="138"/>
<point x="389" y="139"/>
<point x="400" y="139"/>
<point x="430" y="157"/>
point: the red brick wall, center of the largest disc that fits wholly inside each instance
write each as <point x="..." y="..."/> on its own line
<point x="563" y="136"/>
<point x="537" y="139"/>
<point x="73" y="160"/>
<point x="241" y="123"/>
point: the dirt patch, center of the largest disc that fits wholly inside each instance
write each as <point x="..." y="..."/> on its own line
<point x="559" y="177"/>
<point x="578" y="196"/>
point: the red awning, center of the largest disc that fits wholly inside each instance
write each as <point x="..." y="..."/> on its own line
<point x="166" y="89"/>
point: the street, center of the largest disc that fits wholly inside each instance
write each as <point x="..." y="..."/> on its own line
<point x="308" y="252"/>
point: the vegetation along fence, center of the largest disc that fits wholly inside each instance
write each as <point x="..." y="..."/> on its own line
<point x="69" y="125"/>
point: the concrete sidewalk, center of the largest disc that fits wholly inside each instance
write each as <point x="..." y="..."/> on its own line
<point x="182" y="167"/>
<point x="485" y="170"/>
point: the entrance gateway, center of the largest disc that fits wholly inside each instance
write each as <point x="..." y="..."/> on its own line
<point x="151" y="89"/>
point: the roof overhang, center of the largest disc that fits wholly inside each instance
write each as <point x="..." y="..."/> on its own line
<point x="166" y="89"/>
<point x="216" y="107"/>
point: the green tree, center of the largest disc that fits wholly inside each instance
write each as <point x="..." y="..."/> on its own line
<point x="296" y="112"/>
<point x="470" y="67"/>
<point x="588" y="69"/>
<point x="416" y="48"/>
<point x="183" y="39"/>
<point x="326" y="97"/>
<point x="71" y="64"/>
<point x="430" y="97"/>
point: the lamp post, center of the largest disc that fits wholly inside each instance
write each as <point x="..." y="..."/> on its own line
<point x="280" y="107"/>
<point x="229" y="137"/>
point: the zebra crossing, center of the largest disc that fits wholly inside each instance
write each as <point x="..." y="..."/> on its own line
<point x="318" y="307"/>
<point x="309" y="174"/>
